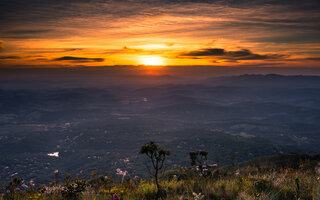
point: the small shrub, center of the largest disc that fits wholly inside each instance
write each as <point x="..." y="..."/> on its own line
<point x="147" y="191"/>
<point x="72" y="189"/>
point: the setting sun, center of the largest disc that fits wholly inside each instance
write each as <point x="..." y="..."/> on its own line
<point x="151" y="60"/>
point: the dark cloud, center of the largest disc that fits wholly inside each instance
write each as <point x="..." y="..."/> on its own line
<point x="314" y="59"/>
<point x="24" y="33"/>
<point x="73" y="49"/>
<point x="79" y="59"/>
<point x="206" y="52"/>
<point x="9" y="57"/>
<point x="312" y="37"/>
<point x="306" y="59"/>
<point x="243" y="54"/>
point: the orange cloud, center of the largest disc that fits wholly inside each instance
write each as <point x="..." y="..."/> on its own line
<point x="182" y="32"/>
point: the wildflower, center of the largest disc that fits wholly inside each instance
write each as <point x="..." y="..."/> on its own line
<point x="115" y="197"/>
<point x="31" y="182"/>
<point x="197" y="196"/>
<point x="121" y="173"/>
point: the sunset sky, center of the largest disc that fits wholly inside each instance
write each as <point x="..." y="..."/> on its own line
<point x="52" y="33"/>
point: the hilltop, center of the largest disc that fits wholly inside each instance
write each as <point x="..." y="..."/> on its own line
<point x="282" y="176"/>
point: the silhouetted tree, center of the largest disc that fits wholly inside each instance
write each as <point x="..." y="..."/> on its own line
<point x="157" y="156"/>
<point x="200" y="160"/>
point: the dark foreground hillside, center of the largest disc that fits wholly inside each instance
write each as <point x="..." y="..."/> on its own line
<point x="278" y="177"/>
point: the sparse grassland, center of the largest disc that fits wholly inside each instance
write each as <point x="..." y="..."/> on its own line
<point x="245" y="183"/>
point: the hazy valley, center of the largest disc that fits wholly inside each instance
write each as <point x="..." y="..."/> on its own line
<point x="100" y="128"/>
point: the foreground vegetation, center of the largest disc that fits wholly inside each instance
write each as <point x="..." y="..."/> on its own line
<point x="282" y="177"/>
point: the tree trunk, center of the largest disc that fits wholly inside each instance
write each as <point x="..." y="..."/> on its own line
<point x="158" y="185"/>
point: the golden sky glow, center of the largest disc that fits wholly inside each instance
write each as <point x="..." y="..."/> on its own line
<point x="151" y="60"/>
<point x="100" y="33"/>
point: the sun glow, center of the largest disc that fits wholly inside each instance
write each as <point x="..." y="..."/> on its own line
<point x="152" y="60"/>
